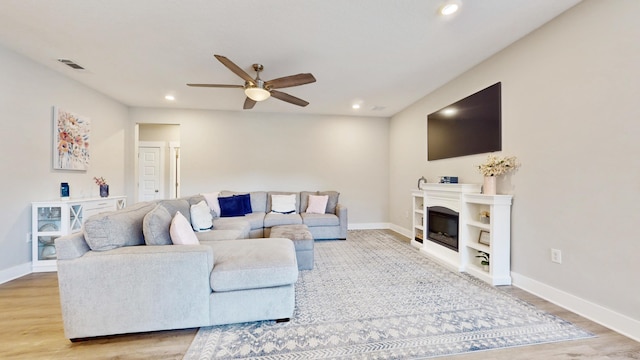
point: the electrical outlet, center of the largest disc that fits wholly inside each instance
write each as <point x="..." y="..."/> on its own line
<point x="556" y="256"/>
<point x="28" y="237"/>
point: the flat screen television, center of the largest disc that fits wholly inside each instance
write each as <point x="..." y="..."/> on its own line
<point x="470" y="126"/>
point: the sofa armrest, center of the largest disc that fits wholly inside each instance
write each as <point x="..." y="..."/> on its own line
<point x="71" y="246"/>
<point x="342" y="213"/>
<point x="135" y="289"/>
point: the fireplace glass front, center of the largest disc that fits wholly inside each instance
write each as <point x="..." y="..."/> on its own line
<point x="442" y="224"/>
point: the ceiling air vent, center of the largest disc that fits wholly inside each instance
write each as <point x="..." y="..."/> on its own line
<point x="71" y="64"/>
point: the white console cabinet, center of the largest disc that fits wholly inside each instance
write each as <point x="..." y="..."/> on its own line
<point x="52" y="219"/>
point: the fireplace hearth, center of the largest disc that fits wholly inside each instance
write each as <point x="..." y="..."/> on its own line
<point x="442" y="224"/>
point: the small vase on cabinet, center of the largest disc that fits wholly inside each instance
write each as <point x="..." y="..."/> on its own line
<point x="104" y="190"/>
<point x="489" y="185"/>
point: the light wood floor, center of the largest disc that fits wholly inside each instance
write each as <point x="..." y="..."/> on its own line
<point x="31" y="328"/>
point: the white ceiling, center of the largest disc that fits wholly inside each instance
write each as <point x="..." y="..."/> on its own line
<point x="385" y="54"/>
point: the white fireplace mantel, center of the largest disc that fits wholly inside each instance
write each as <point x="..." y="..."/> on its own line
<point x="466" y="200"/>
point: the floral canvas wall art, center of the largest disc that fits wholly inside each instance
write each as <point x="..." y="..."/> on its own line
<point x="70" y="140"/>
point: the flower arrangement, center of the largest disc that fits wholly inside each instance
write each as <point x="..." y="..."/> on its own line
<point x="498" y="165"/>
<point x="100" y="181"/>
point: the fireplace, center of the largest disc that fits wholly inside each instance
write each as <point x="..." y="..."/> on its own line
<point x="442" y="225"/>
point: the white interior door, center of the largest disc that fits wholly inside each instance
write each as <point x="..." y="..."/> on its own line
<point x="150" y="173"/>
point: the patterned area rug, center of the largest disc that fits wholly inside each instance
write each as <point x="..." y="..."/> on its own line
<point x="375" y="297"/>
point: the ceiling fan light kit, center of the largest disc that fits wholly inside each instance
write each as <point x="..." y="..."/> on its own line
<point x="256" y="92"/>
<point x="259" y="90"/>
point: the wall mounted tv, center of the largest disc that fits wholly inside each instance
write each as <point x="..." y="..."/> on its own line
<point x="470" y="126"/>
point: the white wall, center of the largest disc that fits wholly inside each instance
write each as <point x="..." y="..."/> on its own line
<point x="248" y="150"/>
<point x="571" y="116"/>
<point x="28" y="92"/>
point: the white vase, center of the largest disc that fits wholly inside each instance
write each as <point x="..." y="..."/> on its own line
<point x="489" y="186"/>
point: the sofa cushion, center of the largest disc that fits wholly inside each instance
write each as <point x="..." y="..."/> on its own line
<point x="332" y="202"/>
<point x="175" y="205"/>
<point x="231" y="206"/>
<point x="233" y="223"/>
<point x="246" y="203"/>
<point x="212" y="201"/>
<point x="310" y="219"/>
<point x="110" y="230"/>
<point x="181" y="231"/>
<point x="283" y="204"/>
<point x="274" y="219"/>
<point x="216" y="235"/>
<point x="317" y="204"/>
<point x="271" y="193"/>
<point x="201" y="219"/>
<point x="155" y="226"/>
<point x="253" y="263"/>
<point x="255" y="219"/>
<point x="259" y="201"/>
<point x="304" y="199"/>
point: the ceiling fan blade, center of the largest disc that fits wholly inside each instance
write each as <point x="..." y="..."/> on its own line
<point x="216" y="85"/>
<point x="288" y="98"/>
<point x="235" y="68"/>
<point x="248" y="104"/>
<point x="289" y="81"/>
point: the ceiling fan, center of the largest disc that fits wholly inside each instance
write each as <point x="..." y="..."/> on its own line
<point x="259" y="90"/>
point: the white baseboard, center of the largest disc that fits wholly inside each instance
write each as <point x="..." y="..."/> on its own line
<point x="15" y="272"/>
<point x="402" y="231"/>
<point x="368" y="226"/>
<point x="615" y="321"/>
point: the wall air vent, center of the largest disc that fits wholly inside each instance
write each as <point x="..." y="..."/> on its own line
<point x="71" y="64"/>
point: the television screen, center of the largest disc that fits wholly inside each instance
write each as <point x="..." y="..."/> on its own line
<point x="470" y="126"/>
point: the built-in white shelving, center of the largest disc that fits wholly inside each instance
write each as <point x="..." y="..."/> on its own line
<point x="419" y="221"/>
<point x="466" y="200"/>
<point x="497" y="232"/>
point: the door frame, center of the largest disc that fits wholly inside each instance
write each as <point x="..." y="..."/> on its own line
<point x="162" y="145"/>
<point x="174" y="169"/>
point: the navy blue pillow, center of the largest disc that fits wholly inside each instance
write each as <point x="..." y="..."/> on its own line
<point x="231" y="206"/>
<point x="246" y="203"/>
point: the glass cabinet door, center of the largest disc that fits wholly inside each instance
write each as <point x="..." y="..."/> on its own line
<point x="49" y="222"/>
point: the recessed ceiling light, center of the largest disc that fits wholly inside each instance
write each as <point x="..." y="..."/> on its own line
<point x="449" y="8"/>
<point x="355" y="106"/>
<point x="170" y="97"/>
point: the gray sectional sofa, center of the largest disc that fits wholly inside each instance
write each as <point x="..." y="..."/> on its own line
<point x="122" y="274"/>
<point x="330" y="225"/>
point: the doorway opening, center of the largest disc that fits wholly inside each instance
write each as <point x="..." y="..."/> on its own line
<point x="158" y="162"/>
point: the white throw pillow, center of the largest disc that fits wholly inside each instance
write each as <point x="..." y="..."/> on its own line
<point x="283" y="204"/>
<point x="181" y="232"/>
<point x="317" y="204"/>
<point x="212" y="201"/>
<point x="201" y="219"/>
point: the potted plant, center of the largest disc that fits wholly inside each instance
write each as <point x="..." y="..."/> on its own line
<point x="484" y="260"/>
